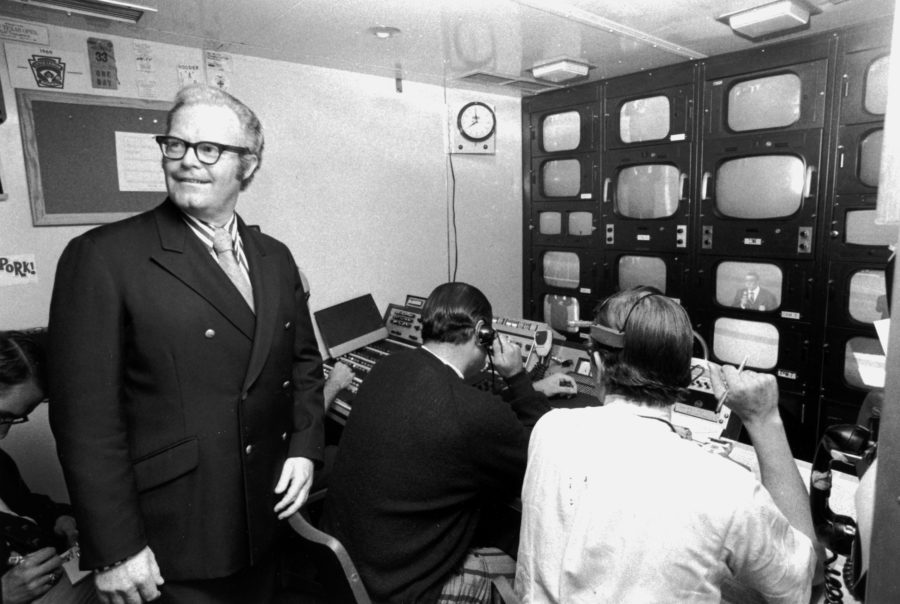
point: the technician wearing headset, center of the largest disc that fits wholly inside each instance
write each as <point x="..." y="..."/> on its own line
<point x="617" y="507"/>
<point x="423" y="452"/>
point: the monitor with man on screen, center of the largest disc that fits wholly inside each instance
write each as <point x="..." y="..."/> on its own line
<point x="754" y="297"/>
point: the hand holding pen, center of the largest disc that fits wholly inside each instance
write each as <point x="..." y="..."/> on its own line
<point x="753" y="396"/>
<point x="724" y="395"/>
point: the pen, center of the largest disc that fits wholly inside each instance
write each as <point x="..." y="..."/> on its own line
<point x="15" y="559"/>
<point x="724" y="395"/>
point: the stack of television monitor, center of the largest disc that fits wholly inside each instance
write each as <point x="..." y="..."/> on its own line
<point x="858" y="247"/>
<point x="562" y="140"/>
<point x="742" y="185"/>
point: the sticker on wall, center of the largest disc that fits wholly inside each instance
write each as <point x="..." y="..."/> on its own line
<point x="103" y="64"/>
<point x="189" y="74"/>
<point x="49" y="72"/>
<point x="24" y="32"/>
<point x="143" y="57"/>
<point x="218" y="69"/>
<point x="17" y="270"/>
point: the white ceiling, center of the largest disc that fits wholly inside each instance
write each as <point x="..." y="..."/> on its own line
<point x="442" y="40"/>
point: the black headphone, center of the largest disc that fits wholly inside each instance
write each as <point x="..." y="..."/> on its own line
<point x="485" y="337"/>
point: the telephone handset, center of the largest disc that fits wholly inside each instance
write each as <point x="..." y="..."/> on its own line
<point x="848" y="448"/>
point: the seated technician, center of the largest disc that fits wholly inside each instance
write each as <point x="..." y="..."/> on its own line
<point x="423" y="451"/>
<point x="34" y="530"/>
<point x="616" y="507"/>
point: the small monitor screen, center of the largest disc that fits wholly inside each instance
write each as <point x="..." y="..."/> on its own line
<point x="644" y="119"/>
<point x="749" y="285"/>
<point x="642" y="270"/>
<point x="876" y="87"/>
<point x="735" y="339"/>
<point x="761" y="186"/>
<point x="770" y="102"/>
<point x="648" y="191"/>
<point x="562" y="269"/>
<point x="581" y="224"/>
<point x="559" y="311"/>
<point x="561" y="178"/>
<point x="550" y="223"/>
<point x="864" y="364"/>
<point x="862" y="230"/>
<point x="561" y="131"/>
<point x="868" y="296"/>
<point x="870" y="157"/>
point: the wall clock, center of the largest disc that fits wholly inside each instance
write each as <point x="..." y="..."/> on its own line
<point x="473" y="127"/>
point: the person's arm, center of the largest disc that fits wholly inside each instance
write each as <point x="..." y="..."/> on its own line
<point x="527" y="403"/>
<point x="32" y="577"/>
<point x="341" y="377"/>
<point x="754" y="397"/>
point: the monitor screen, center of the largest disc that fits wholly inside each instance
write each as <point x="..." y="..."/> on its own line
<point x="642" y="270"/>
<point x="861" y="229"/>
<point x="581" y="224"/>
<point x="559" y="310"/>
<point x="870" y="157"/>
<point x="760" y="186"/>
<point x="749" y="285"/>
<point x="550" y="223"/>
<point x="868" y="296"/>
<point x="561" y="131"/>
<point x="645" y="119"/>
<point x="562" y="269"/>
<point x="876" y="87"/>
<point x="864" y="363"/>
<point x="735" y="339"/>
<point x="561" y="178"/>
<point x="648" y="191"/>
<point x="769" y="102"/>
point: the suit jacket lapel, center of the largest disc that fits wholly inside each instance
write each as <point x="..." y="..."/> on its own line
<point x="265" y="280"/>
<point x="183" y="255"/>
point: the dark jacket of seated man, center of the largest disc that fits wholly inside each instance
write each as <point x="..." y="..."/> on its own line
<point x="422" y="450"/>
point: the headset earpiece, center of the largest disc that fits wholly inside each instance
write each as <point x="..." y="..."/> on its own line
<point x="485" y="336"/>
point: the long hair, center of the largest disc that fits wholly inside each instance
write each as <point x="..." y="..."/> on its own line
<point x="654" y="366"/>
<point x="22" y="357"/>
<point x="451" y="312"/>
<point x="201" y="94"/>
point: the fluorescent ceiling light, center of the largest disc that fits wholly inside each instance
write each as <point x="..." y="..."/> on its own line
<point x="771" y="18"/>
<point x="561" y="70"/>
<point x="128" y="11"/>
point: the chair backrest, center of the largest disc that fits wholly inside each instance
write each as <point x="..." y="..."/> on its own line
<point x="306" y="530"/>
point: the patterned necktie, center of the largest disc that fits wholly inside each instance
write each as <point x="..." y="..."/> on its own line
<point x="223" y="246"/>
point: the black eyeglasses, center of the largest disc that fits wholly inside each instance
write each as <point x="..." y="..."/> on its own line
<point x="207" y="152"/>
<point x="10" y="421"/>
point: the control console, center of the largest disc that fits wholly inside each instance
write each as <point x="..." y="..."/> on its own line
<point x="699" y="413"/>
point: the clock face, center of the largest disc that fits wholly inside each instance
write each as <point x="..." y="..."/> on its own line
<point x="476" y="121"/>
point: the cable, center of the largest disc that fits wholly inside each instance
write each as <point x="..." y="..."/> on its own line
<point x="833" y="591"/>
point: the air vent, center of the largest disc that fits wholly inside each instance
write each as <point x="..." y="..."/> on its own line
<point x="115" y="10"/>
<point x="493" y="79"/>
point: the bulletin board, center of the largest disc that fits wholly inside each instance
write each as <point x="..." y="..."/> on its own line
<point x="71" y="154"/>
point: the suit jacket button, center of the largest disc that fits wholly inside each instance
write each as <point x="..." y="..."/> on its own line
<point x="248" y="449"/>
<point x="287" y="325"/>
<point x="284" y="436"/>
<point x="286" y="384"/>
<point x="209" y="333"/>
<point x="243" y="396"/>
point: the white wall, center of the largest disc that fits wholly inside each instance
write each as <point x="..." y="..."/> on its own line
<point x="354" y="180"/>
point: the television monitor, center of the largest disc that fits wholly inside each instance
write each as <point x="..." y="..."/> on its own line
<point x="758" y="195"/>
<point x="751" y="286"/>
<point x="561" y="269"/>
<point x="648" y="191"/>
<point x="734" y="340"/>
<point x="570" y="226"/>
<point x="634" y="270"/>
<point x="855" y="234"/>
<point x="870" y="157"/>
<point x="876" y="86"/>
<point x="867" y="296"/>
<point x="562" y="178"/>
<point x="771" y="101"/>
<point x="864" y="363"/>
<point x="645" y="119"/>
<point x="550" y="223"/>
<point x="350" y="325"/>
<point x="561" y="131"/>
<point x="741" y="96"/>
<point x="864" y="82"/>
<point x="559" y="311"/>
<point x="859" y="158"/>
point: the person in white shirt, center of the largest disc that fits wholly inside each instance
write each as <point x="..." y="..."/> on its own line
<point x="617" y="507"/>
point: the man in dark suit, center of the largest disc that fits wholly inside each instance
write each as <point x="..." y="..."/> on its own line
<point x="187" y="408"/>
<point x="754" y="297"/>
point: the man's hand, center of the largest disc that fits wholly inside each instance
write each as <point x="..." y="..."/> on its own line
<point x="296" y="478"/>
<point x="555" y="384"/>
<point x="341" y="377"/>
<point x="32" y="577"/>
<point x="134" y="581"/>
<point x="65" y="527"/>
<point x="753" y="396"/>
<point x="507" y="356"/>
